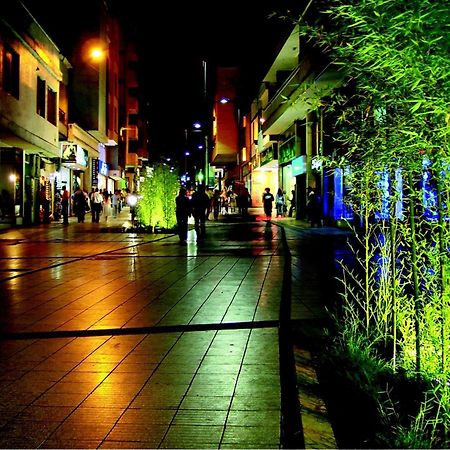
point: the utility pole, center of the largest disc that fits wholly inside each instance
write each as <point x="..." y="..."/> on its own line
<point x="207" y="127"/>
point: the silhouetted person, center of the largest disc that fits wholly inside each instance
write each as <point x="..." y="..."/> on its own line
<point x="200" y="203"/>
<point x="292" y="203"/>
<point x="268" y="200"/>
<point x="182" y="211"/>
<point x="65" y="198"/>
<point x="79" y="204"/>
<point x="45" y="203"/>
<point x="313" y="208"/>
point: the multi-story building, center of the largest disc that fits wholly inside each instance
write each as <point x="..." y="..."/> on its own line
<point x="286" y="124"/>
<point x="31" y="74"/>
<point x="225" y="130"/>
<point x="69" y="113"/>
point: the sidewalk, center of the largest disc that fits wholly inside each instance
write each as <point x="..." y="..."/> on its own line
<point x="125" y="340"/>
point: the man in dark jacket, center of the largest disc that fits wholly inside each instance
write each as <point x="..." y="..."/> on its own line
<point x="182" y="211"/>
<point x="200" y="205"/>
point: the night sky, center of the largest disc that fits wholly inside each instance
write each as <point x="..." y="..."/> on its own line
<point x="173" y="40"/>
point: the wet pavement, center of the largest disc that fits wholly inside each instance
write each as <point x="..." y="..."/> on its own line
<point x="124" y="340"/>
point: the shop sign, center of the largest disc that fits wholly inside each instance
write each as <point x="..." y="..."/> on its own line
<point x="287" y="151"/>
<point x="267" y="155"/>
<point x="299" y="166"/>
<point x="74" y="154"/>
<point x="94" y="172"/>
<point x="103" y="168"/>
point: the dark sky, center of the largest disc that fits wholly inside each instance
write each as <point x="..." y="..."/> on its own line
<point x="175" y="37"/>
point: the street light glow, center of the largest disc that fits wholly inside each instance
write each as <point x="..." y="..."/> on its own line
<point x="97" y="54"/>
<point x="224" y="100"/>
<point x="12" y="178"/>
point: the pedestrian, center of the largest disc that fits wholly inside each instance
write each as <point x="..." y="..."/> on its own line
<point x="279" y="202"/>
<point x="224" y="201"/>
<point x="216" y="203"/>
<point x="182" y="212"/>
<point x="79" y="204"/>
<point x="268" y="203"/>
<point x="200" y="202"/>
<point x="65" y="198"/>
<point x="45" y="203"/>
<point x="292" y="203"/>
<point x="115" y="199"/>
<point x="313" y="209"/>
<point x="96" y="205"/>
<point x="107" y="208"/>
<point x="209" y="193"/>
<point x="244" y="201"/>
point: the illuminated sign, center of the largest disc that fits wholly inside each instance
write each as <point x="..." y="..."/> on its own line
<point x="74" y="154"/>
<point x="287" y="151"/>
<point x="299" y="166"/>
<point x="103" y="168"/>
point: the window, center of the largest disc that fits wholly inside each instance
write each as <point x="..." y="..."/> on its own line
<point x="11" y="72"/>
<point x="40" y="97"/>
<point x="51" y="106"/>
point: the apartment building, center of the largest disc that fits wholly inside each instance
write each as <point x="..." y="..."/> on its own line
<point x="286" y="124"/>
<point x="69" y="109"/>
<point x="31" y="72"/>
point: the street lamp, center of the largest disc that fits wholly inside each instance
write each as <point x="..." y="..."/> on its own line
<point x="198" y="127"/>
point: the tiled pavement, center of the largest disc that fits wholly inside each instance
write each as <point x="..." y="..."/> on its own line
<point x="121" y="340"/>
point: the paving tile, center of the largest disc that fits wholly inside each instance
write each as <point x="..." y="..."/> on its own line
<point x="192" y="436"/>
<point x="138" y="432"/>
<point x="200" y="417"/>
<point x="254" y="435"/>
<point x="83" y="430"/>
<point x="206" y="402"/>
<point x="45" y="413"/>
<point x="60" y="399"/>
<point x="148" y="416"/>
<point x="70" y="443"/>
<point x="102" y="414"/>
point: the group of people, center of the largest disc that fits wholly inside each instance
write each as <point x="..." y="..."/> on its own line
<point x="228" y="201"/>
<point x="200" y="203"/>
<point x="280" y="203"/>
<point x="97" y="202"/>
<point x="197" y="206"/>
<point x="313" y="205"/>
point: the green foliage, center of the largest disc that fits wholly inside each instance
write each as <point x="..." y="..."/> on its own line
<point x="391" y="113"/>
<point x="156" y="207"/>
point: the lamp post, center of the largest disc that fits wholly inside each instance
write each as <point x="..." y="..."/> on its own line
<point x="199" y="127"/>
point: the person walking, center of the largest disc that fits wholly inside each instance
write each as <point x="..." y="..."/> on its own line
<point x="279" y="202"/>
<point x="96" y="205"/>
<point x="45" y="203"/>
<point x="65" y="198"/>
<point x="115" y="198"/>
<point x="268" y="200"/>
<point x="107" y="208"/>
<point x="313" y="209"/>
<point x="200" y="203"/>
<point x="216" y="204"/>
<point x="79" y="204"/>
<point x="244" y="201"/>
<point x="292" y="203"/>
<point x="182" y="212"/>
